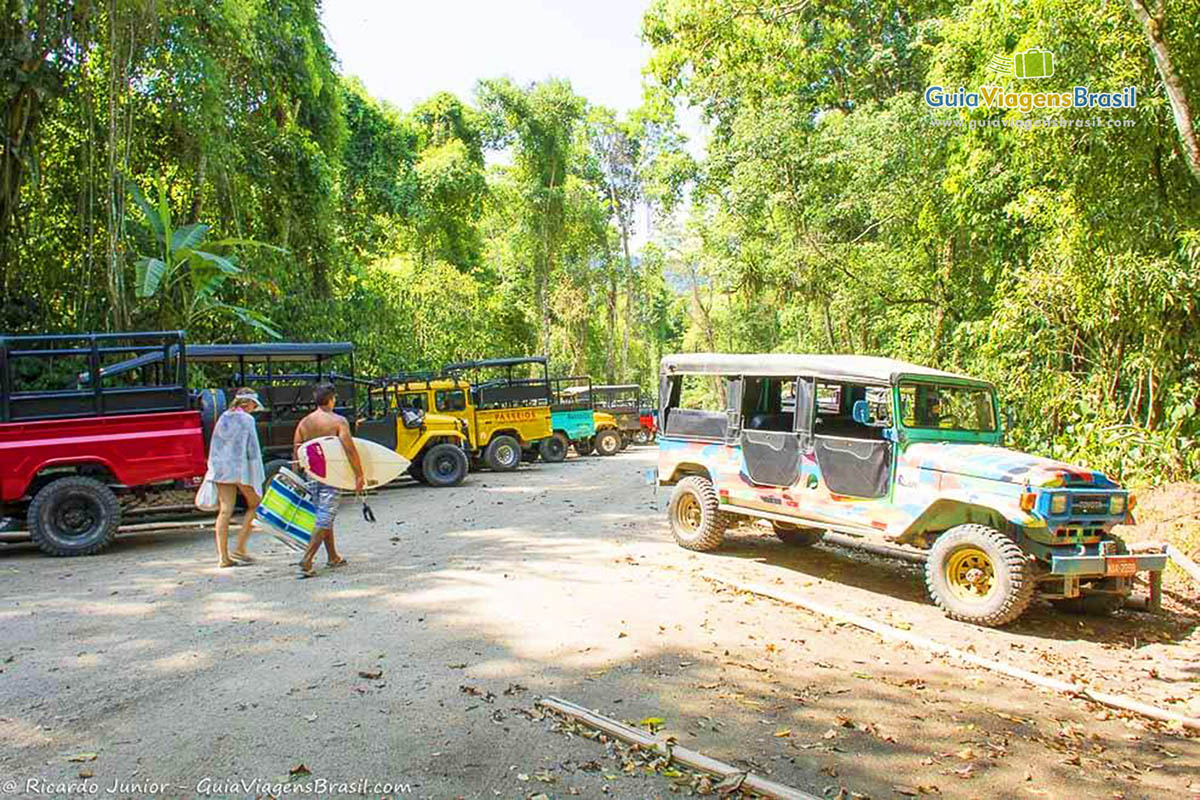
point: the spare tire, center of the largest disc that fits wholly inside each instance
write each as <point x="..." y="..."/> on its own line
<point x="212" y="406"/>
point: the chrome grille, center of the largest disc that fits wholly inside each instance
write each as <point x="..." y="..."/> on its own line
<point x="1089" y="504"/>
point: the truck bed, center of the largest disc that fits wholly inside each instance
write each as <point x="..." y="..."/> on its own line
<point x="138" y="449"/>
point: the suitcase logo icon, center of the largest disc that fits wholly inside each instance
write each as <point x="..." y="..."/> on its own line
<point x="1033" y="63"/>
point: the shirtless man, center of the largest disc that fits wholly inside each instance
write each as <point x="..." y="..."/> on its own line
<point x="323" y="422"/>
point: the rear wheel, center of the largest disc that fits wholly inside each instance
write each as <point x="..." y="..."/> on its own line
<point x="641" y="436"/>
<point x="584" y="446"/>
<point x="554" y="449"/>
<point x="503" y="454"/>
<point x="796" y="535"/>
<point x="608" y="442"/>
<point x="695" y="515"/>
<point x="444" y="465"/>
<point x="74" y="516"/>
<point x="977" y="574"/>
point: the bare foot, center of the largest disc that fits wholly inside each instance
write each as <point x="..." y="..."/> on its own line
<point x="341" y="562"/>
<point x="227" y="564"/>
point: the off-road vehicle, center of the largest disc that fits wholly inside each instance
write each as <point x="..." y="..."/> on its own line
<point x="80" y="447"/>
<point x="507" y="415"/>
<point x="577" y="423"/>
<point x="624" y="403"/>
<point x="886" y="450"/>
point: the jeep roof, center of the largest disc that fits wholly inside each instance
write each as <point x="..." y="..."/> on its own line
<point x="513" y="361"/>
<point x="845" y="367"/>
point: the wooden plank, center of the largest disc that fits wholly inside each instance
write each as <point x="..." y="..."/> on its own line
<point x="1184" y="563"/>
<point x="895" y="634"/>
<point x="682" y="755"/>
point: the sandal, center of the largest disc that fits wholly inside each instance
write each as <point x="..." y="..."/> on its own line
<point x="341" y="562"/>
<point x="306" y="573"/>
<point x="227" y="565"/>
<point x="243" y="558"/>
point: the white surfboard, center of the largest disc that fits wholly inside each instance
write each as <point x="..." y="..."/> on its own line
<point x="325" y="459"/>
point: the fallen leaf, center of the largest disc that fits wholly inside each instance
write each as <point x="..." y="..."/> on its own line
<point x="370" y="674"/>
<point x="299" y="771"/>
<point x="907" y="791"/>
<point x="783" y="734"/>
<point x="83" y="757"/>
<point x="310" y="718"/>
<point x="86" y="773"/>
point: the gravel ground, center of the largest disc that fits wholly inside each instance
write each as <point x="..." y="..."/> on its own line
<point x="418" y="664"/>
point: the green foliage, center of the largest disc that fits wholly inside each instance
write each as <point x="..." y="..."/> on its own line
<point x="185" y="279"/>
<point x="831" y="216"/>
<point x="390" y="229"/>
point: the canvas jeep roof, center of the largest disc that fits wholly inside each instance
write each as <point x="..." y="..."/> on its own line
<point x="845" y="367"/>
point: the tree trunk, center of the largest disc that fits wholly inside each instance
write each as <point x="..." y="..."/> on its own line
<point x="1153" y="20"/>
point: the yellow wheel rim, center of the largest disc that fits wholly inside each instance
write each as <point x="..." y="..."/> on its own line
<point x="970" y="574"/>
<point x="688" y="513"/>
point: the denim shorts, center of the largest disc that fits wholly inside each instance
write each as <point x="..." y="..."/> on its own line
<point x="326" y="499"/>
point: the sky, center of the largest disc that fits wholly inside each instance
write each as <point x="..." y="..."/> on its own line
<point x="405" y="51"/>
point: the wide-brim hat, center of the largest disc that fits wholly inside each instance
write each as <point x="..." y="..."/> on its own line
<point x="251" y="396"/>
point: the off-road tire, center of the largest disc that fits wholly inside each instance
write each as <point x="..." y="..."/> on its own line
<point x="416" y="471"/>
<point x="86" y="505"/>
<point x="503" y="454"/>
<point x="1013" y="576"/>
<point x="608" y="442"/>
<point x="641" y="436"/>
<point x="554" y="448"/>
<point x="585" y="447"/>
<point x="796" y="535"/>
<point x="444" y="465"/>
<point x="1099" y="605"/>
<point x="708" y="532"/>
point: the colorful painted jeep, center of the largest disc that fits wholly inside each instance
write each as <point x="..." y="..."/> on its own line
<point x="577" y="423"/>
<point x="882" y="449"/>
<point x="624" y="402"/>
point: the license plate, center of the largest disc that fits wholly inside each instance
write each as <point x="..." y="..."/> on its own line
<point x="1120" y="566"/>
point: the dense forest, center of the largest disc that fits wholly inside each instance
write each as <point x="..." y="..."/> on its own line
<point x="174" y="163"/>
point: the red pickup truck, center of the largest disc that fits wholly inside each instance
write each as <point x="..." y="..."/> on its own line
<point x="73" y="440"/>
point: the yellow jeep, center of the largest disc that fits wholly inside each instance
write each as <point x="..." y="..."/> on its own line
<point x="506" y="417"/>
<point x="436" y="444"/>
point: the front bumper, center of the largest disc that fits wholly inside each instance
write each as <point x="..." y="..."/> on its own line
<point x="1120" y="566"/>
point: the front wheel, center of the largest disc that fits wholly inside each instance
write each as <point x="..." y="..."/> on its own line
<point x="608" y="442"/>
<point x="797" y="536"/>
<point x="977" y="574"/>
<point x="695" y="514"/>
<point x="641" y="436"/>
<point x="554" y="449"/>
<point x="503" y="454"/>
<point x="74" y="516"/>
<point x="444" y="465"/>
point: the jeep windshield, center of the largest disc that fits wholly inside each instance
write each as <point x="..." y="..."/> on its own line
<point x="947" y="407"/>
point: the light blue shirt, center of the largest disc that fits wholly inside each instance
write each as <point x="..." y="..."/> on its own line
<point x="233" y="454"/>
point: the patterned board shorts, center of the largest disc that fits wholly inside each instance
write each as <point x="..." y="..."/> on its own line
<point x="326" y="499"/>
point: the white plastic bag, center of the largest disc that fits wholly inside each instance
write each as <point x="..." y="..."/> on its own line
<point x="206" y="496"/>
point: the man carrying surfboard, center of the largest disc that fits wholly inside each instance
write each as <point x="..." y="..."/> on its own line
<point x="324" y="422"/>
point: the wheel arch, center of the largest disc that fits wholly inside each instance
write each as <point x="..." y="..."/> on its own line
<point x="948" y="512"/>
<point x="686" y="469"/>
<point x="96" y="467"/>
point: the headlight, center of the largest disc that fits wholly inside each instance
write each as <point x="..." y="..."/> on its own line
<point x="1116" y="504"/>
<point x="1058" y="504"/>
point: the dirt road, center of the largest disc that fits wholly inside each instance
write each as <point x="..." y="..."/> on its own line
<point x="415" y="664"/>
